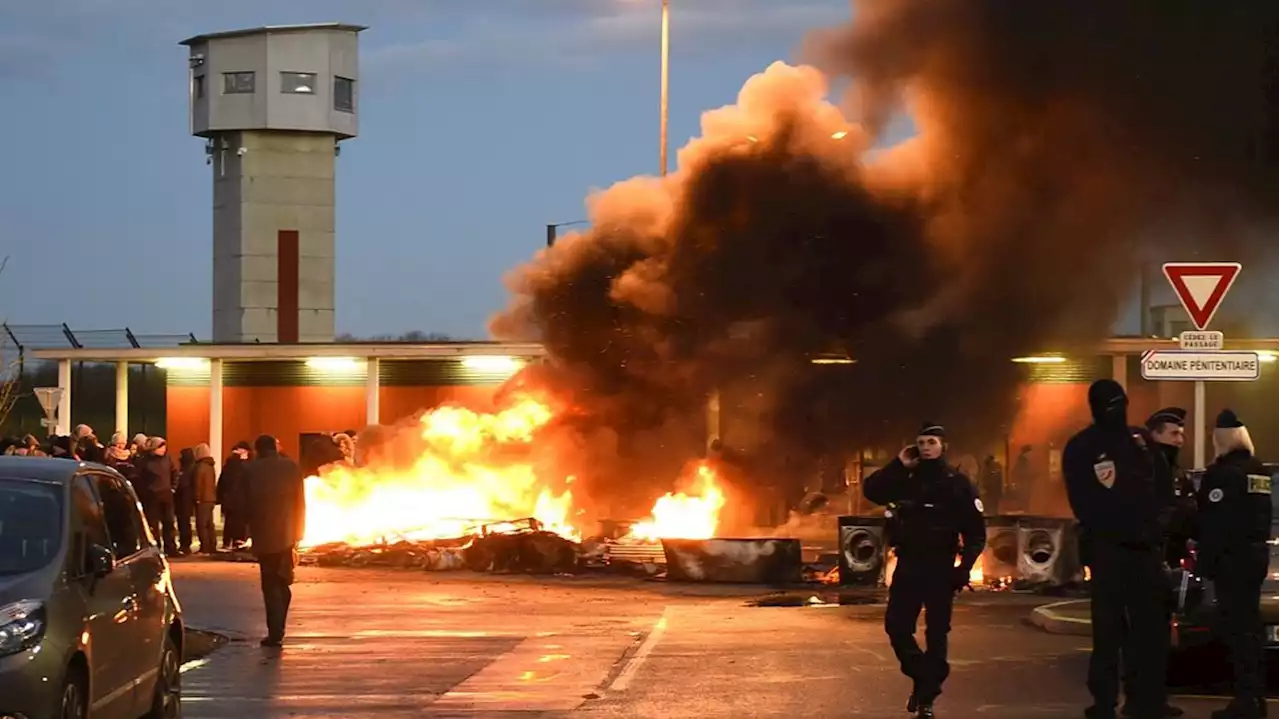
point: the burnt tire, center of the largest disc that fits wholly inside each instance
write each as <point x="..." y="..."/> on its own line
<point x="73" y="701"/>
<point x="166" y="700"/>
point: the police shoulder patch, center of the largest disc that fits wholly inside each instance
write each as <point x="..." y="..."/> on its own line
<point x="1259" y="484"/>
<point x="1215" y="495"/>
<point x="977" y="504"/>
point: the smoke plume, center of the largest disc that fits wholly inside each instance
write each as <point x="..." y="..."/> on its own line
<point x="1058" y="143"/>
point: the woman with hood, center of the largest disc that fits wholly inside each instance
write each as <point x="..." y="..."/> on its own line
<point x="118" y="457"/>
<point x="232" y="492"/>
<point x="204" y="488"/>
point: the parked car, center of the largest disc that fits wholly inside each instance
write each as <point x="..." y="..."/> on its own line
<point x="1195" y="643"/>
<point x="89" y="622"/>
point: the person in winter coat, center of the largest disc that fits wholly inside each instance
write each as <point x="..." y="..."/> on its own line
<point x="204" y="485"/>
<point x="184" y="500"/>
<point x="277" y="522"/>
<point x="157" y="480"/>
<point x="233" y="496"/>
<point x="118" y="457"/>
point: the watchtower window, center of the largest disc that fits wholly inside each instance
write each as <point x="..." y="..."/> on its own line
<point x="298" y="83"/>
<point x="344" y="94"/>
<point x="238" y="83"/>
<point x="197" y="86"/>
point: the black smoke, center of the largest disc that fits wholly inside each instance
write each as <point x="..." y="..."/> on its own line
<point x="1059" y="144"/>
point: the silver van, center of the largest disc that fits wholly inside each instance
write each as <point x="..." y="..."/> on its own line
<point x="89" y="622"/>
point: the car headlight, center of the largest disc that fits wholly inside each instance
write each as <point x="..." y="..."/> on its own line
<point x="21" y="626"/>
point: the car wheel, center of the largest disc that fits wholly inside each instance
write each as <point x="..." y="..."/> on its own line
<point x="166" y="702"/>
<point x="74" y="702"/>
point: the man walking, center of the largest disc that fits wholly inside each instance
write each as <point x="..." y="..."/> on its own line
<point x="937" y="515"/>
<point x="1235" y="522"/>
<point x="277" y="519"/>
<point x="1116" y="483"/>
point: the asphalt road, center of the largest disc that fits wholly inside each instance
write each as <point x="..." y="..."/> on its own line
<point x="386" y="643"/>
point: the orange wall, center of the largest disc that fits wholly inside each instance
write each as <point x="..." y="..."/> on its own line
<point x="286" y="412"/>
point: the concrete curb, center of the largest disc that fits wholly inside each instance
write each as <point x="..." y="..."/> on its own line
<point x="1053" y="621"/>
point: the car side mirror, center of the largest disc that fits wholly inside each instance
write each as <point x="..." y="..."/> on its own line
<point x="100" y="560"/>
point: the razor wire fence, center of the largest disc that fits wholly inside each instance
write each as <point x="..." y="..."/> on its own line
<point x="92" y="384"/>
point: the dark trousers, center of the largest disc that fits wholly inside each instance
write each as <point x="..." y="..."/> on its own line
<point x="160" y="518"/>
<point x="186" y="512"/>
<point x="234" y="528"/>
<point x="1239" y="592"/>
<point x="1129" y="603"/>
<point x="275" y="571"/>
<point x="919" y="585"/>
<point x="204" y="527"/>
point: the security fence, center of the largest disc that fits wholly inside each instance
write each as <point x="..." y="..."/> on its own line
<point x="92" y="384"/>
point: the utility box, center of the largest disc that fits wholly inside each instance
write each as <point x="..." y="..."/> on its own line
<point x="272" y="104"/>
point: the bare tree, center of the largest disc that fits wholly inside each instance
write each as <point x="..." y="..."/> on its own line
<point x="9" y="376"/>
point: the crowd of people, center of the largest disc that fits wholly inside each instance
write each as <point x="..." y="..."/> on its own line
<point x="260" y="490"/>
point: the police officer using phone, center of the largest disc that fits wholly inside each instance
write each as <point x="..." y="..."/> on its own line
<point x="936" y="515"/>
<point x="1120" y="491"/>
<point x="1235" y="522"/>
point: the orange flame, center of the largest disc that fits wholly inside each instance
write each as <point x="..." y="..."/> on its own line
<point x="457" y="481"/>
<point x="685" y="516"/>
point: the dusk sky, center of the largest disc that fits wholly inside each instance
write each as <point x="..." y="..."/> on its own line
<point x="480" y="123"/>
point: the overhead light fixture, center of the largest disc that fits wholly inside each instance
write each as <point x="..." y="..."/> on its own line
<point x="1041" y="359"/>
<point x="335" y="364"/>
<point x="839" y="135"/>
<point x="182" y="363"/>
<point x="832" y="360"/>
<point x="493" y="363"/>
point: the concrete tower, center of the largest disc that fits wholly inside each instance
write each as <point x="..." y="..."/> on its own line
<point x="272" y="104"/>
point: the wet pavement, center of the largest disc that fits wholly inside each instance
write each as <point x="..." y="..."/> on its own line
<point x="381" y="644"/>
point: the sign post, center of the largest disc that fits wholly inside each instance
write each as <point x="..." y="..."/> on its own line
<point x="1201" y="287"/>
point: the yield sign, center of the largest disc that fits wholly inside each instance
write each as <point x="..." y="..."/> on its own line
<point x="1201" y="287"/>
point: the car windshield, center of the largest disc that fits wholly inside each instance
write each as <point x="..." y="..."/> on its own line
<point x="30" y="525"/>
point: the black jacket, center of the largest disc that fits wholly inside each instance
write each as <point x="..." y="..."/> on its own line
<point x="1119" y="488"/>
<point x="232" y="489"/>
<point x="937" y="511"/>
<point x="1235" y="510"/>
<point x="277" y="504"/>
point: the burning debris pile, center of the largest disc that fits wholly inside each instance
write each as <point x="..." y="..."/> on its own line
<point x="418" y="504"/>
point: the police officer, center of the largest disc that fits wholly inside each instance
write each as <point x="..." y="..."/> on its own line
<point x="1167" y="428"/>
<point x="1235" y="522"/>
<point x="937" y="514"/>
<point x="1116" y="485"/>
<point x="1168" y="431"/>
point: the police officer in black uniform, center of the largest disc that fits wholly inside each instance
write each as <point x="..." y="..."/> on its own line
<point x="1167" y="428"/>
<point x="936" y="515"/>
<point x="1119" y="489"/>
<point x="1235" y="523"/>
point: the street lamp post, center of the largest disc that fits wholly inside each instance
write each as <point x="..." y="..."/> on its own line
<point x="665" y="87"/>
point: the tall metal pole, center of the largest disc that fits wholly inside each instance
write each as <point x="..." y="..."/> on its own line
<point x="1198" y="411"/>
<point x="666" y="82"/>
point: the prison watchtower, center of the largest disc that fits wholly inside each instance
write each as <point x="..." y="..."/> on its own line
<point x="272" y="104"/>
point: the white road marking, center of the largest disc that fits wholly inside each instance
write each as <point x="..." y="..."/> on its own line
<point x="193" y="664"/>
<point x="628" y="672"/>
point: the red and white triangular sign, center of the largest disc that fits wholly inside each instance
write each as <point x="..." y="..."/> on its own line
<point x="1201" y="287"/>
